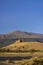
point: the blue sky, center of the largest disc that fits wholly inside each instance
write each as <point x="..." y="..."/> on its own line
<point x="25" y="15"/>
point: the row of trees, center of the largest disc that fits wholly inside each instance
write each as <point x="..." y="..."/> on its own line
<point x="7" y="50"/>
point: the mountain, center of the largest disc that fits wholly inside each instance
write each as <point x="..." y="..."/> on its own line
<point x="11" y="37"/>
<point x="20" y="34"/>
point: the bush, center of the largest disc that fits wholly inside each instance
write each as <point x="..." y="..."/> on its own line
<point x="33" y="50"/>
<point x="7" y="50"/>
<point x="35" y="61"/>
<point x="21" y="40"/>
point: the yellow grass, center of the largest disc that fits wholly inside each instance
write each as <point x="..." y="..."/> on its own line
<point x="32" y="61"/>
<point x="25" y="46"/>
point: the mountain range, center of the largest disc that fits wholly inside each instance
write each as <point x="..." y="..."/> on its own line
<point x="20" y="34"/>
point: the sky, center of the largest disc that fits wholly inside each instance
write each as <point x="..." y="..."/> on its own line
<point x="24" y="15"/>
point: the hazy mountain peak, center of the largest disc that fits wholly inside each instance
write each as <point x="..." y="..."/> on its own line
<point x="18" y="31"/>
<point x="20" y="34"/>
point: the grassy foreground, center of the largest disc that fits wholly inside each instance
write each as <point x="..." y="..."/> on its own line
<point x="36" y="60"/>
<point x="34" y="50"/>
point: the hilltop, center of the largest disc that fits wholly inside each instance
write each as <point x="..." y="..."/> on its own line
<point x="20" y="45"/>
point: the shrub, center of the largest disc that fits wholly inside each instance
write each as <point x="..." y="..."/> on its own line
<point x="33" y="50"/>
<point x="21" y="40"/>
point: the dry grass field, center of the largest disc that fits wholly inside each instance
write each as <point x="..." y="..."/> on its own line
<point x="32" y="61"/>
<point x="25" y="58"/>
<point x="24" y="46"/>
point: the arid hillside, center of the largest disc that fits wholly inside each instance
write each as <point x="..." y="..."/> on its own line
<point x="22" y="53"/>
<point x="20" y="45"/>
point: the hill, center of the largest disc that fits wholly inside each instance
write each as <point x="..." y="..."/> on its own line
<point x="18" y="45"/>
<point x="22" y="53"/>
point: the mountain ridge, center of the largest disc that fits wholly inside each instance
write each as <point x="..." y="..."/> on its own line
<point x="20" y="34"/>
